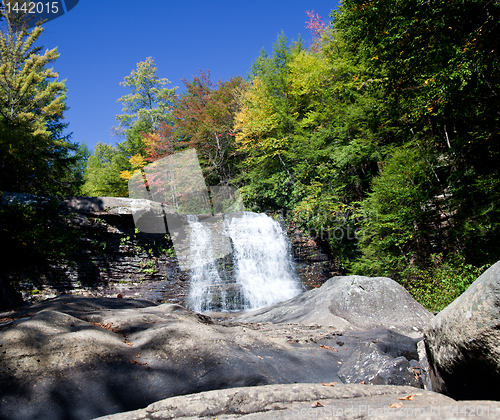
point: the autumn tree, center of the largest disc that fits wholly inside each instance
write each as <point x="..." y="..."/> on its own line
<point x="36" y="155"/>
<point x="308" y="133"/>
<point x="204" y="119"/>
<point x="317" y="28"/>
<point x="160" y="143"/>
<point x="265" y="127"/>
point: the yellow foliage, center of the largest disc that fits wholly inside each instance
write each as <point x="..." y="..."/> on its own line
<point x="308" y="72"/>
<point x="126" y="175"/>
<point x="257" y="120"/>
<point x="137" y="161"/>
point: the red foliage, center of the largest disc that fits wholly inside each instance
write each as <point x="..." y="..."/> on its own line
<point x="159" y="143"/>
<point x="316" y="26"/>
<point x="202" y="119"/>
<point x="205" y="118"/>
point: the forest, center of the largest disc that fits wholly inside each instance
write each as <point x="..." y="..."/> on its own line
<point x="380" y="138"/>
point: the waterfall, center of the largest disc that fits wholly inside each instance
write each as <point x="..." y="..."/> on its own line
<point x="205" y="292"/>
<point x="255" y="272"/>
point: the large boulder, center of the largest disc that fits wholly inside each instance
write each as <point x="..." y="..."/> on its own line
<point x="351" y="302"/>
<point x="368" y="365"/>
<point x="463" y="342"/>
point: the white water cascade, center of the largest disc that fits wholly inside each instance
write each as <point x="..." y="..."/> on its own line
<point x="204" y="272"/>
<point x="258" y="271"/>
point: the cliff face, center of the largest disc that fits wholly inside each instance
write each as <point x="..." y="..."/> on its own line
<point x="113" y="257"/>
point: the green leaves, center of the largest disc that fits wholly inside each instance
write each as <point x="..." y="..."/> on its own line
<point x="102" y="173"/>
<point x="150" y="103"/>
<point x="36" y="157"/>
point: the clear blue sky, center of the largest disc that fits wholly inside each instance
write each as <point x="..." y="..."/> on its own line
<point x="101" y="41"/>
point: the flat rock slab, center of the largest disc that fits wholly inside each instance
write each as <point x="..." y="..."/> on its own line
<point x="302" y="401"/>
<point x="79" y="358"/>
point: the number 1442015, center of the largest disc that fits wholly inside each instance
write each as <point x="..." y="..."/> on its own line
<point x="32" y="7"/>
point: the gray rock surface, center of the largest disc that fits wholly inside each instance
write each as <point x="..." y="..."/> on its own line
<point x="368" y="365"/>
<point x="351" y="302"/>
<point x="79" y="358"/>
<point x="462" y="342"/>
<point x="113" y="205"/>
<point x="297" y="401"/>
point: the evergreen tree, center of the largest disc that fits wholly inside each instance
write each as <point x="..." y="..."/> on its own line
<point x="150" y="103"/>
<point x="36" y="155"/>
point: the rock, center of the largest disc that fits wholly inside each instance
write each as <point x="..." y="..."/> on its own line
<point x="299" y="401"/>
<point x="311" y="307"/>
<point x="424" y="365"/>
<point x="368" y="365"/>
<point x="351" y="302"/>
<point x="113" y="205"/>
<point x="462" y="342"/>
<point x="78" y="358"/>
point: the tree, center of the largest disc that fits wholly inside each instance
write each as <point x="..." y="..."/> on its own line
<point x="82" y="156"/>
<point x="309" y="128"/>
<point x="160" y="143"/>
<point x="437" y="64"/>
<point x="265" y="125"/>
<point x="204" y="119"/>
<point x="317" y="28"/>
<point x="102" y="172"/>
<point x="150" y="103"/>
<point x="146" y="109"/>
<point x="35" y="153"/>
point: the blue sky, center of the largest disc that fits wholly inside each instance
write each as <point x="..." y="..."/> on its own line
<point x="101" y="41"/>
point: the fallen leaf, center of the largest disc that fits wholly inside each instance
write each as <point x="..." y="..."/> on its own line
<point x="317" y="404"/>
<point x="7" y="319"/>
<point x="329" y="384"/>
<point x="135" y="362"/>
<point x="322" y="346"/>
<point x="408" y="397"/>
<point x="109" y="326"/>
<point x="395" y="405"/>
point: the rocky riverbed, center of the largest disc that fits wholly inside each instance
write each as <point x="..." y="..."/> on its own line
<point x="354" y="344"/>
